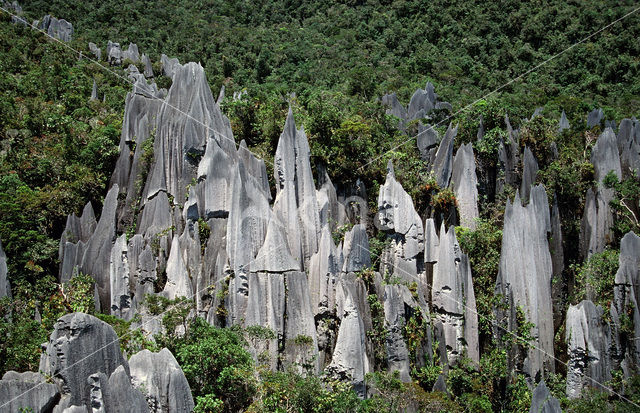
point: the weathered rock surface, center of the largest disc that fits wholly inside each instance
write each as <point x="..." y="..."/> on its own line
<point x="165" y="385"/>
<point x="525" y="273"/>
<point x="27" y="391"/>
<point x="97" y="52"/>
<point x="5" y="286"/>
<point x="80" y="346"/>
<point x="131" y="53"/>
<point x="114" y="54"/>
<point x="595" y="118"/>
<point x="588" y="339"/>
<point x="542" y="401"/>
<point x="443" y="163"/>
<point x="57" y="28"/>
<point x="529" y="173"/>
<point x="465" y="185"/>
<point x="563" y="123"/>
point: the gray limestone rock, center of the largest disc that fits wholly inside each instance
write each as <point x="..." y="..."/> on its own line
<point x="595" y="118"/>
<point x="626" y="296"/>
<point x="169" y="66"/>
<point x="131" y="53"/>
<point x="356" y="250"/>
<point x="542" y="401"/>
<point x="215" y="172"/>
<point x="97" y="254"/>
<point x="94" y="91"/>
<point x="394" y="314"/>
<point x="529" y="173"/>
<point x="605" y="156"/>
<point x="76" y="233"/>
<point x="508" y="156"/>
<point x="80" y="345"/>
<point x="114" y="54"/>
<point x="427" y="139"/>
<point x="115" y="394"/>
<point x="398" y="217"/>
<point x="27" y="391"/>
<point x="453" y="299"/>
<point x="443" y="163"/>
<point x="465" y="185"/>
<point x="274" y="255"/>
<point x="595" y="230"/>
<point x="629" y="147"/>
<point x="563" y="124"/>
<point x="419" y="105"/>
<point x="324" y="267"/>
<point x="588" y="339"/>
<point x="178" y="280"/>
<point x="57" y="28"/>
<point x="525" y="274"/>
<point x="266" y="308"/>
<point x="301" y="343"/>
<point x="121" y="302"/>
<point x="557" y="251"/>
<point x="296" y="202"/>
<point x="256" y="169"/>
<point x="431" y="242"/>
<point x="148" y="67"/>
<point x="395" y="108"/>
<point x="350" y="361"/>
<point x="5" y="286"/>
<point x="165" y="385"/>
<point x="93" y="48"/>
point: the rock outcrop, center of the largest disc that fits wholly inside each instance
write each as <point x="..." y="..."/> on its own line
<point x="5" y="286"/>
<point x="542" y="401"/>
<point x="524" y="277"/>
<point x="465" y="186"/>
<point x="57" y="28"/>
<point x="27" y="391"/>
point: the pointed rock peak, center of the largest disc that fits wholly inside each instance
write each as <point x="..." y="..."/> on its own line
<point x="390" y="172"/>
<point x="274" y="255"/>
<point x="563" y="123"/>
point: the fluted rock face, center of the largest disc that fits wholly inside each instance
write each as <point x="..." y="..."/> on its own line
<point x="508" y="156"/>
<point x="356" y="250"/>
<point x="563" y="123"/>
<point x="114" y="53"/>
<point x="542" y="401"/>
<point x="626" y="295"/>
<point x="398" y="217"/>
<point x="5" y="286"/>
<point x="93" y="48"/>
<point x="131" y="53"/>
<point x="453" y="299"/>
<point x="443" y="162"/>
<point x="589" y="340"/>
<point x="166" y="387"/>
<point x="57" y="28"/>
<point x="525" y="274"/>
<point x="595" y="231"/>
<point x="27" y="391"/>
<point x="529" y="173"/>
<point x="115" y="393"/>
<point x="629" y="147"/>
<point x="80" y="345"/>
<point x="324" y="268"/>
<point x="595" y="118"/>
<point x="427" y="139"/>
<point x="296" y="203"/>
<point x="465" y="185"/>
<point x="422" y="103"/>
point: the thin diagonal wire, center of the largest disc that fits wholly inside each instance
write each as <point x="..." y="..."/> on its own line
<point x="430" y="128"/>
<point x="494" y="323"/>
<point x="131" y="82"/>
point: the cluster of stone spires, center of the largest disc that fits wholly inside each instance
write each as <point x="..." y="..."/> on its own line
<point x="56" y="28"/>
<point x="272" y="261"/>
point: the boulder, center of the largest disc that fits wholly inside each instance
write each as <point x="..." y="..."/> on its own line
<point x="165" y="385"/>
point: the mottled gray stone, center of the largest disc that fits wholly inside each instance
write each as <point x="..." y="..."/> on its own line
<point x="256" y="169"/>
<point x="350" y="361"/>
<point x="266" y="308"/>
<point x="508" y="152"/>
<point x="398" y="217"/>
<point x="131" y="53"/>
<point x="169" y="66"/>
<point x="77" y="230"/>
<point x="324" y="267"/>
<point x="148" y="67"/>
<point x="443" y="162"/>
<point x="178" y="280"/>
<point x="419" y="105"/>
<point x="594" y="118"/>
<point x="626" y="296"/>
<point x="80" y="345"/>
<point x="394" y="107"/>
<point x="595" y="230"/>
<point x="296" y="202"/>
<point x="57" y="28"/>
<point x="465" y="185"/>
<point x="27" y="391"/>
<point x="629" y="147"/>
<point x="216" y="173"/>
<point x="542" y="401"/>
<point x="431" y="241"/>
<point x="605" y="157"/>
<point x="274" y="255"/>
<point x="394" y="314"/>
<point x="121" y="303"/>
<point x="93" y="48"/>
<point x="94" y="91"/>
<point x="427" y="139"/>
<point x="114" y="53"/>
<point x="115" y="394"/>
<point x="301" y="343"/>
<point x="588" y="339"/>
<point x="525" y="274"/>
<point x="5" y="286"/>
<point x="453" y="299"/>
<point x="97" y="254"/>
<point x="356" y="249"/>
<point x="529" y="173"/>
<point x="563" y="124"/>
<point x="162" y="380"/>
